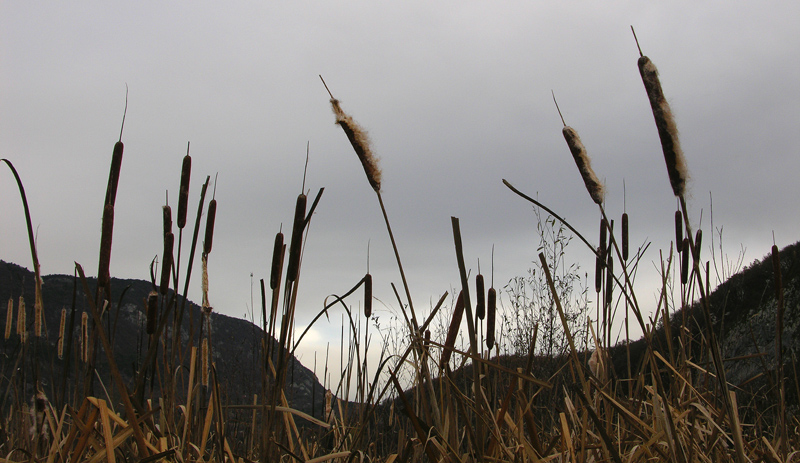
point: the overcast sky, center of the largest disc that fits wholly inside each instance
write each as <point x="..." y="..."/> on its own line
<point x="456" y="96"/>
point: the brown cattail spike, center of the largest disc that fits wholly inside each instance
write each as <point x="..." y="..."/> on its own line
<point x="667" y="129"/>
<point x="361" y="144"/>
<point x="167" y="219"/>
<point x="603" y="236"/>
<point x="698" y="241"/>
<point x="679" y="231"/>
<point x="277" y="262"/>
<point x="152" y="312"/>
<point x="491" y="310"/>
<point x="166" y="262"/>
<point x="113" y="175"/>
<point x="367" y="295"/>
<point x="610" y="279"/>
<point x="297" y="238"/>
<point x="103" y="272"/>
<point x="480" y="304"/>
<point x="183" y="194"/>
<point x="685" y="261"/>
<point x="452" y="332"/>
<point x="625" y="236"/>
<point x="584" y="164"/>
<point x="598" y="272"/>
<point x="212" y="215"/>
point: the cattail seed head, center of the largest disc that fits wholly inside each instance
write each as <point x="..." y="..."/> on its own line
<point x="277" y="261"/>
<point x="84" y="337"/>
<point x="698" y="241"/>
<point x="480" y="304"/>
<point x="603" y="236"/>
<point x="625" y="236"/>
<point x="61" y="327"/>
<point x="9" y="317"/>
<point x="212" y="215"/>
<point x="297" y="238"/>
<point x="113" y="175"/>
<point x="21" y="328"/>
<point x="427" y="338"/>
<point x="685" y="262"/>
<point x="183" y="194"/>
<point x="166" y="262"/>
<point x="204" y="285"/>
<point x="665" y="123"/>
<point x="679" y="230"/>
<point x="103" y="272"/>
<point x="491" y="309"/>
<point x="452" y="332"/>
<point x="167" y="219"/>
<point x="38" y="317"/>
<point x="361" y="144"/>
<point x="584" y="164"/>
<point x="152" y="312"/>
<point x="610" y="279"/>
<point x="367" y="295"/>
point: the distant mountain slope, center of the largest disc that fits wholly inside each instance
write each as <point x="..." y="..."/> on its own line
<point x="236" y="343"/>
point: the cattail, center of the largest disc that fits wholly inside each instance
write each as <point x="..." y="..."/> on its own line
<point x="84" y="337"/>
<point x="603" y="236"/>
<point x="328" y="406"/>
<point x="212" y="214"/>
<point x="204" y="362"/>
<point x="277" y="262"/>
<point x="297" y="238"/>
<point x="103" y="272"/>
<point x="166" y="262"/>
<point x="61" y="327"/>
<point x="685" y="262"/>
<point x="480" y="304"/>
<point x="21" y="328"/>
<point x="113" y="175"/>
<point x="698" y="240"/>
<point x="361" y="144"/>
<point x="167" y="219"/>
<point x="610" y="279"/>
<point x="491" y="309"/>
<point x="584" y="164"/>
<point x="679" y="231"/>
<point x="183" y="194"/>
<point x="367" y="295"/>
<point x="152" y="312"/>
<point x="9" y="317"/>
<point x="625" y="236"/>
<point x="452" y="332"/>
<point x="665" y="123"/>
<point x="598" y="272"/>
<point x="427" y="338"/>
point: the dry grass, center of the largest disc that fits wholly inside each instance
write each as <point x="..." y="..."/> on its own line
<point x="420" y="404"/>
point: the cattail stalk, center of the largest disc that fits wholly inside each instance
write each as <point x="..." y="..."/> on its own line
<point x="204" y="284"/>
<point x="9" y="317"/>
<point x="491" y="309"/>
<point x="38" y="316"/>
<point x="204" y="362"/>
<point x="665" y="123"/>
<point x="61" y="330"/>
<point x="84" y="337"/>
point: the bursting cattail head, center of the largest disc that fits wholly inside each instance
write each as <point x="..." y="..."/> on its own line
<point x="584" y="164"/>
<point x="204" y="362"/>
<point x="667" y="129"/>
<point x="21" y="317"/>
<point x="361" y="144"/>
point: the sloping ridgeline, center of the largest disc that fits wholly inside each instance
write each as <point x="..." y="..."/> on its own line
<point x="236" y="343"/>
<point x="744" y="315"/>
